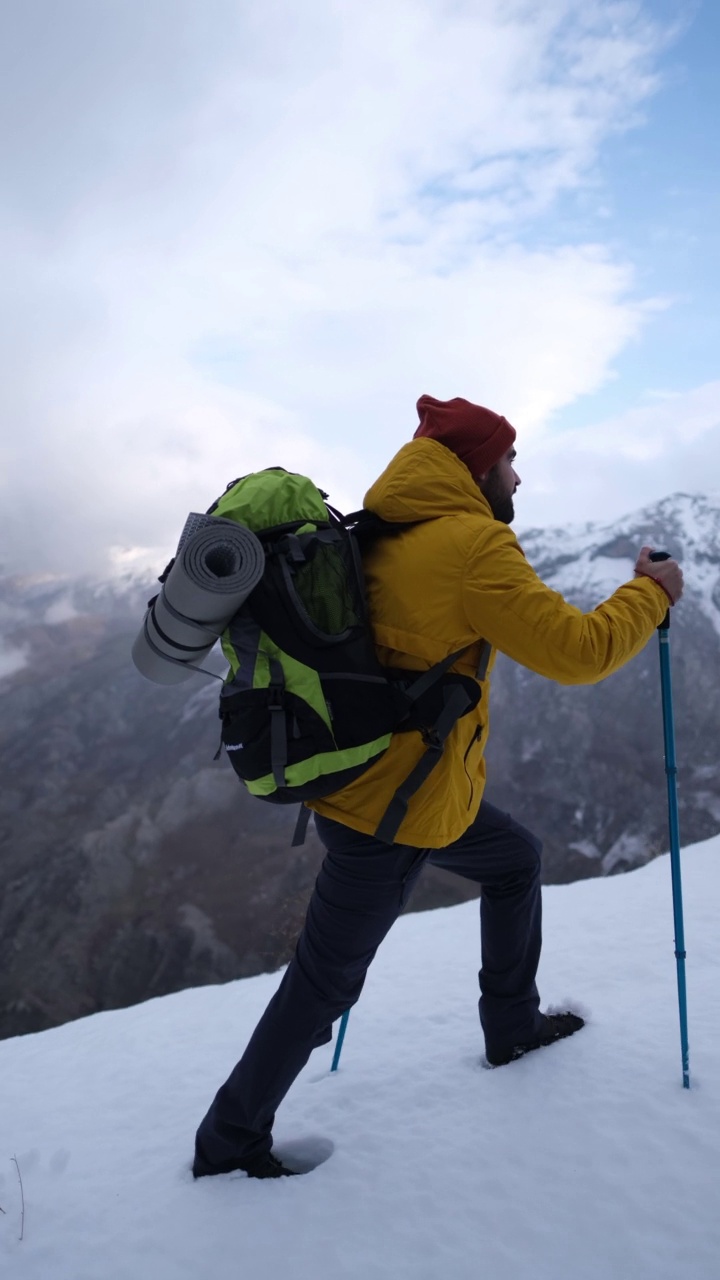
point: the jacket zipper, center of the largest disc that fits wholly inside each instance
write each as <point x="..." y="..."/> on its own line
<point x="475" y="738"/>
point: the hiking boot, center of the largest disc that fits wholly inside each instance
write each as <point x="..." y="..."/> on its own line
<point x="553" y="1026"/>
<point x="263" y="1166"/>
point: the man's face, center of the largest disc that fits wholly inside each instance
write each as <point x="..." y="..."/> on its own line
<point x="499" y="485"/>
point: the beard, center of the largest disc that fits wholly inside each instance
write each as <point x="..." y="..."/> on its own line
<point x="501" y="502"/>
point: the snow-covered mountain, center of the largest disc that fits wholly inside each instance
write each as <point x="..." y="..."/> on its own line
<point x="584" y="1161"/>
<point x="133" y="865"/>
<point x="582" y="562"/>
<point x="585" y="766"/>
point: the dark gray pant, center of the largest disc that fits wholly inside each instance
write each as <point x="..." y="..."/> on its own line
<point x="361" y="889"/>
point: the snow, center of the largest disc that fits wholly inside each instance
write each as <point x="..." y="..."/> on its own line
<point x="587" y="848"/>
<point x="593" y="577"/>
<point x="569" y="561"/>
<point x="584" y="1161"/>
<point x="12" y="659"/>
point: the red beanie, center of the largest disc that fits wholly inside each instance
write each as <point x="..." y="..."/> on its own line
<point x="478" y="436"/>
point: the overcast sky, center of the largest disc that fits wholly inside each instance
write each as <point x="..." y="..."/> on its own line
<point x="245" y="233"/>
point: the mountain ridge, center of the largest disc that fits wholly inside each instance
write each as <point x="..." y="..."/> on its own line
<point x="134" y="865"/>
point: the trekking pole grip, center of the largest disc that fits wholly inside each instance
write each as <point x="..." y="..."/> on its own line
<point x="662" y="555"/>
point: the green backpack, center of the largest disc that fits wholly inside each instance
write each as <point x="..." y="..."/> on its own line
<point x="306" y="706"/>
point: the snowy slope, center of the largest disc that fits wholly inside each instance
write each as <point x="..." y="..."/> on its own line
<point x="585" y="1161"/>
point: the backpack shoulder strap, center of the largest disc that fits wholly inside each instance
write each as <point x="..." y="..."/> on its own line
<point x="456" y="704"/>
<point x="366" y="527"/>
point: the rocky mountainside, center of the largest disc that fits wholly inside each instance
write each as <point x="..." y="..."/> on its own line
<point x="134" y="865"/>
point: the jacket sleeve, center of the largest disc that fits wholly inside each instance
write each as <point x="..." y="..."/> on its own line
<point x="506" y="603"/>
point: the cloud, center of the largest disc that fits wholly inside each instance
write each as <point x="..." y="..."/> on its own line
<point x="238" y="236"/>
<point x="666" y="445"/>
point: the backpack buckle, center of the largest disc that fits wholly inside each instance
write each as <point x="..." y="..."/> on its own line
<point x="432" y="740"/>
<point x="293" y="549"/>
<point x="276" y="699"/>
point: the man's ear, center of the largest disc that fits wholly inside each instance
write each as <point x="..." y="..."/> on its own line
<point x="481" y="479"/>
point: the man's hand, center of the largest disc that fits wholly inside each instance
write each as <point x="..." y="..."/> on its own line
<point x="667" y="572"/>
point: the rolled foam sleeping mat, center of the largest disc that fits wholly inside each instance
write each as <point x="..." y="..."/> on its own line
<point x="217" y="565"/>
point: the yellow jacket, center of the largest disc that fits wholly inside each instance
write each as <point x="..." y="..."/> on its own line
<point x="455" y="578"/>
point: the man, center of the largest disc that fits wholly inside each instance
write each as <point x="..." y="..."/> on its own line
<point x="454" y="578"/>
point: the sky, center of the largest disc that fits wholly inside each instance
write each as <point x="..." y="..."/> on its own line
<point x="236" y="235"/>
<point x="582" y="1161"/>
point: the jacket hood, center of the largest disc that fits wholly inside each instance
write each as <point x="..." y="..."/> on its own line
<point x="423" y="481"/>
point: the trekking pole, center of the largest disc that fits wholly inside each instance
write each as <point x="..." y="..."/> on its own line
<point x="341" y="1036"/>
<point x="674" y="826"/>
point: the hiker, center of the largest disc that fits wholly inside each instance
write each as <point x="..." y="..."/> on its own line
<point x="453" y="576"/>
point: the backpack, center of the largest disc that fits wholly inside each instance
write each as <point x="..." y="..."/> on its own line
<point x="306" y="706"/>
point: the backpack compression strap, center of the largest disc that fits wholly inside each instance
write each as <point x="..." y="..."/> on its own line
<point x="278" y="727"/>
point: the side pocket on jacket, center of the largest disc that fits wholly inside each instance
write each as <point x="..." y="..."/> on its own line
<point x="477" y="735"/>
